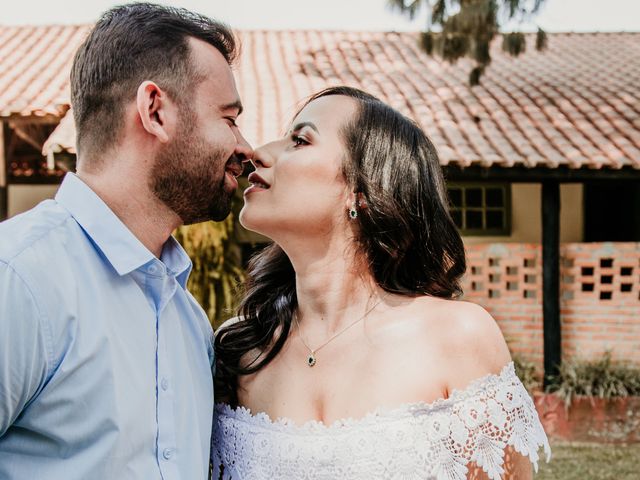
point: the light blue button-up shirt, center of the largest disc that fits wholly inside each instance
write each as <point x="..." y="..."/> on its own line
<point x="105" y="358"/>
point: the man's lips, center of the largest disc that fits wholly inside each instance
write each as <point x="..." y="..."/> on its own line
<point x="234" y="167"/>
<point x="231" y="179"/>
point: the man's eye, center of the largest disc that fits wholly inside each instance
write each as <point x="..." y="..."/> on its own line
<point x="232" y="121"/>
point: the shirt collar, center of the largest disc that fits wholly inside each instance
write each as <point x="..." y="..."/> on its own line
<point x="118" y="244"/>
<point x="177" y="261"/>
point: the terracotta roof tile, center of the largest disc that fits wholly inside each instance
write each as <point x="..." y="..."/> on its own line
<point x="576" y="104"/>
<point x="34" y="69"/>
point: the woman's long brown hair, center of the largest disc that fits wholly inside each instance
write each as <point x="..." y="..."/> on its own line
<point x="406" y="234"/>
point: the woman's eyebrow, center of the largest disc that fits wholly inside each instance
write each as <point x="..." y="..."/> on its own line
<point x="301" y="125"/>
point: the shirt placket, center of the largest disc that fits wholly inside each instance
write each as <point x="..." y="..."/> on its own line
<point x="161" y="289"/>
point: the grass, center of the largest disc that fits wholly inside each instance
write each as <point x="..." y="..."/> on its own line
<point x="575" y="461"/>
<point x="580" y="461"/>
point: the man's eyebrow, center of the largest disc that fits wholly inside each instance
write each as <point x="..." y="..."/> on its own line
<point x="301" y="125"/>
<point x="237" y="105"/>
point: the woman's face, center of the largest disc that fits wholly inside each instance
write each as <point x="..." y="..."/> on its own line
<point x="298" y="186"/>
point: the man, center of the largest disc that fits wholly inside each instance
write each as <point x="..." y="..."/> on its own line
<point x="105" y="358"/>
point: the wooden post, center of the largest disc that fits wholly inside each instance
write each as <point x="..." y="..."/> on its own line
<point x="551" y="278"/>
<point x="4" y="187"/>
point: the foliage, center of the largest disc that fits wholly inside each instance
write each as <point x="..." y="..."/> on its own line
<point x="600" y="378"/>
<point x="217" y="268"/>
<point x="527" y="373"/>
<point x="465" y="28"/>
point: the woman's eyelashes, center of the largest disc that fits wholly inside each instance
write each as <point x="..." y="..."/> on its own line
<point x="298" y="140"/>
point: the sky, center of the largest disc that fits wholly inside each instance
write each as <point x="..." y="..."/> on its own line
<point x="556" y="15"/>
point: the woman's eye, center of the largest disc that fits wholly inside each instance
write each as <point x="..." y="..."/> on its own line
<point x="232" y="121"/>
<point x="298" y="141"/>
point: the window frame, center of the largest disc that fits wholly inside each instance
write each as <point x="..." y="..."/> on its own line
<point x="506" y="209"/>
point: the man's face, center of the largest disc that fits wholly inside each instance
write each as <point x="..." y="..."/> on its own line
<point x="194" y="175"/>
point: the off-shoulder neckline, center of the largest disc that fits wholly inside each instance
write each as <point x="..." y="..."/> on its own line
<point x="262" y="419"/>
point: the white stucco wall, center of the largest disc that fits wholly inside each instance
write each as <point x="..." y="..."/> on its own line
<point x="24" y="197"/>
<point x="525" y="211"/>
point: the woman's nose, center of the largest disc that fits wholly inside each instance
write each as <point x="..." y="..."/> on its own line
<point x="264" y="156"/>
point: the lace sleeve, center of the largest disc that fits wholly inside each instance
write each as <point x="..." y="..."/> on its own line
<point x="495" y="413"/>
<point x="215" y="461"/>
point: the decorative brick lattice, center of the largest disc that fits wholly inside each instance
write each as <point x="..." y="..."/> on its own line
<point x="495" y="272"/>
<point x="599" y="291"/>
<point x="601" y="299"/>
<point x="506" y="279"/>
<point x="601" y="273"/>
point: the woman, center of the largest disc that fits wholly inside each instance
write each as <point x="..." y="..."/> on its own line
<point x="349" y="334"/>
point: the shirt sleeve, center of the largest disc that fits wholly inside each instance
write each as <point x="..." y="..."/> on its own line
<point x="23" y="353"/>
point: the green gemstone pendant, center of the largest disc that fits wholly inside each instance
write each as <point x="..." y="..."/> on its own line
<point x="311" y="360"/>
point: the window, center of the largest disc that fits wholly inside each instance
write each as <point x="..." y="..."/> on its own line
<point x="480" y="208"/>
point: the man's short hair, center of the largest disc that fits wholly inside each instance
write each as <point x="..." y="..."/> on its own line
<point x="130" y="44"/>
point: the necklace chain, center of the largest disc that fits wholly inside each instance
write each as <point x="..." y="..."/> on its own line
<point x="311" y="359"/>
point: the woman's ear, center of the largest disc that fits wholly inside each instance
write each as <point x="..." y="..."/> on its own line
<point x="152" y="104"/>
<point x="351" y="201"/>
<point x="355" y="201"/>
<point x="362" y="201"/>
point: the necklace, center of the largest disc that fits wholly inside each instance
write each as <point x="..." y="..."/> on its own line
<point x="311" y="359"/>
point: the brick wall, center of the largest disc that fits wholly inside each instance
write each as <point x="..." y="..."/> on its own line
<point x="601" y="299"/>
<point x="600" y="296"/>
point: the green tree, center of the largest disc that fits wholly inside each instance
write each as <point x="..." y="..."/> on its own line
<point x="217" y="269"/>
<point x="466" y="28"/>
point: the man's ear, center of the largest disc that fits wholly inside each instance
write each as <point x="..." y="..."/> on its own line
<point x="152" y="104"/>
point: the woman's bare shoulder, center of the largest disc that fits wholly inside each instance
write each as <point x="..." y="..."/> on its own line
<point x="466" y="336"/>
<point x="465" y="318"/>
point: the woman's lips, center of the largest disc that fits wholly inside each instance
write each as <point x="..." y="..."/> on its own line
<point x="256" y="183"/>
<point x="253" y="189"/>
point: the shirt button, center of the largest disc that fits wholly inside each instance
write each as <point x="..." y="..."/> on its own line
<point x="164" y="384"/>
<point x="167" y="454"/>
<point x="152" y="269"/>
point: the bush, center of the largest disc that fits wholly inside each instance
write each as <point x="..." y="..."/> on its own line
<point x="217" y="268"/>
<point x="526" y="372"/>
<point x="599" y="378"/>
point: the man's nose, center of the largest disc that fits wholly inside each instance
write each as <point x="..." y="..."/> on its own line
<point x="243" y="150"/>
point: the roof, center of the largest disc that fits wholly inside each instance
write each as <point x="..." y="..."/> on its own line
<point x="63" y="138"/>
<point x="575" y="104"/>
<point x="34" y="69"/>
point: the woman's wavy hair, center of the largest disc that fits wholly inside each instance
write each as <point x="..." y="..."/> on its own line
<point x="404" y="231"/>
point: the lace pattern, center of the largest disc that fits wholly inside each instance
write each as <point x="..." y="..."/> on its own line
<point x="413" y="441"/>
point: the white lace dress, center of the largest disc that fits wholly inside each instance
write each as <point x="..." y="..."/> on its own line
<point x="413" y="441"/>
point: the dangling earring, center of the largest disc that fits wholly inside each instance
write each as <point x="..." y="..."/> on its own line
<point x="353" y="213"/>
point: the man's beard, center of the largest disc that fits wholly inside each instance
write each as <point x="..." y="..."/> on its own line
<point x="189" y="177"/>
